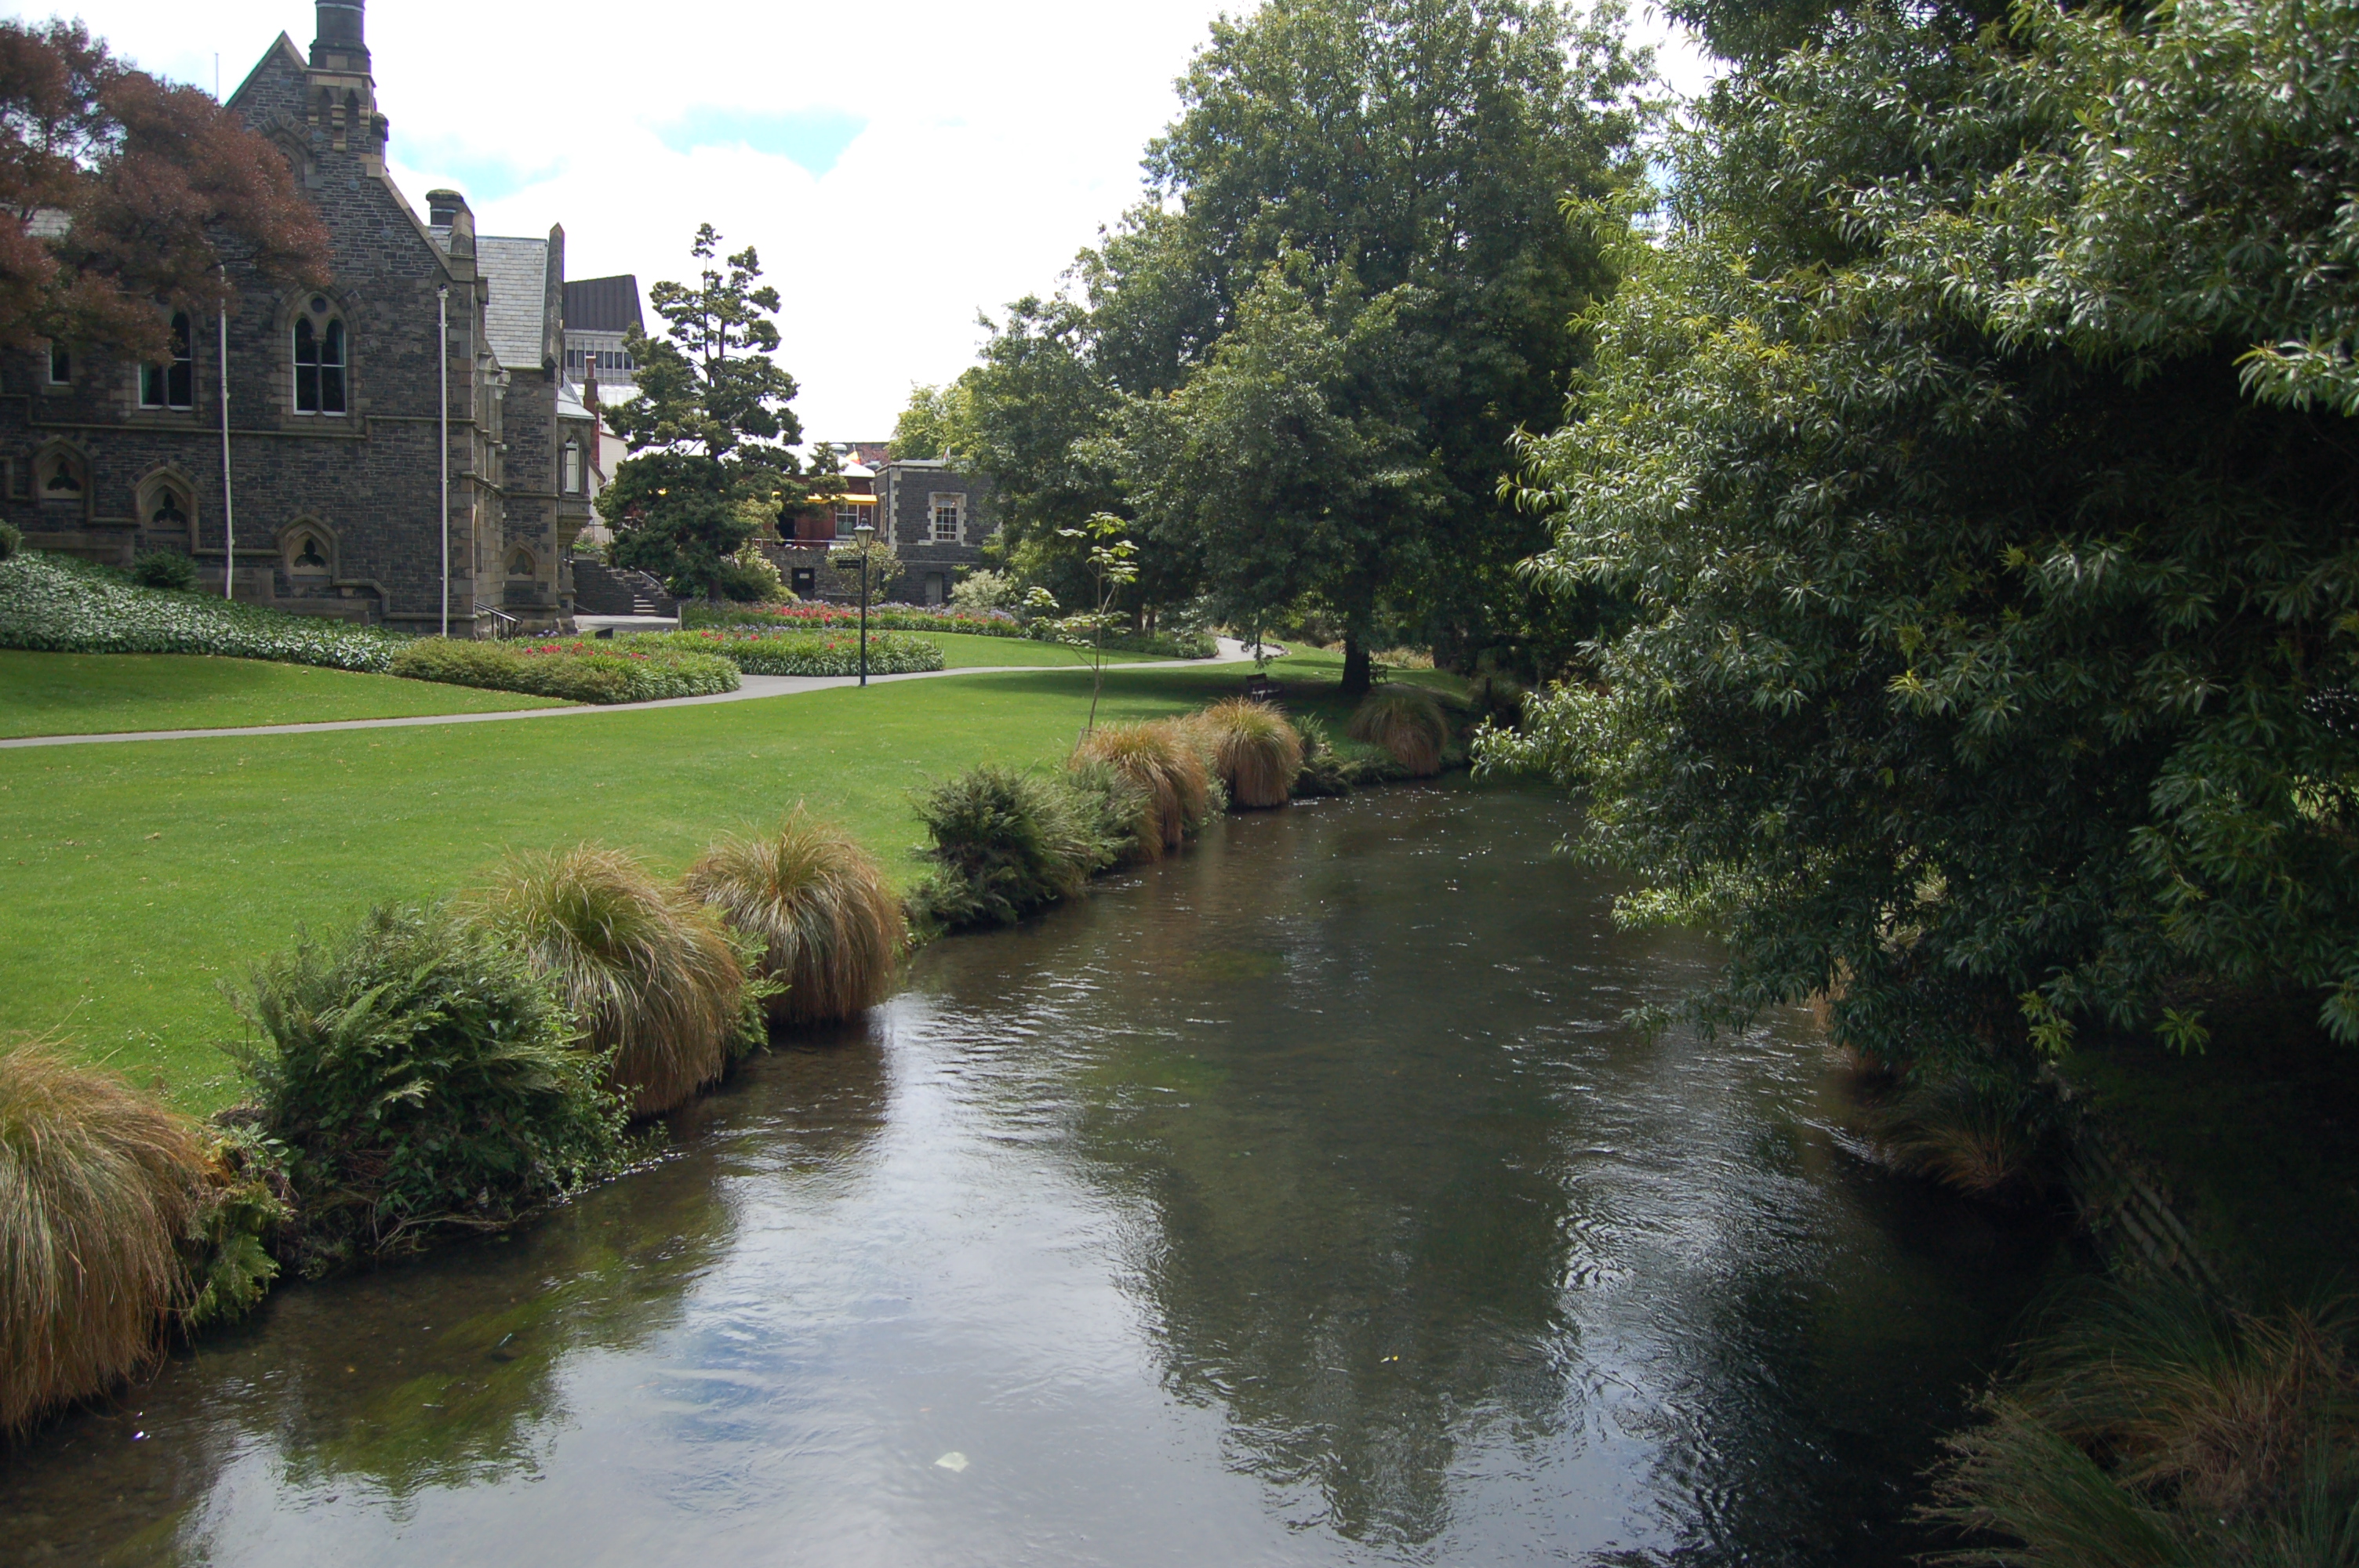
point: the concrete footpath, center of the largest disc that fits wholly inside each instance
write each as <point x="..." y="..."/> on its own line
<point x="750" y="687"/>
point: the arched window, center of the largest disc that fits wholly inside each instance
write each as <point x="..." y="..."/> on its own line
<point x="520" y="563"/>
<point x="307" y="554"/>
<point x="166" y="506"/>
<point x="571" y="476"/>
<point x="172" y="383"/>
<point x="57" y="476"/>
<point x="318" y="360"/>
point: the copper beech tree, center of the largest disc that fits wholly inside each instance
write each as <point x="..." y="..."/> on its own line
<point x="124" y="194"/>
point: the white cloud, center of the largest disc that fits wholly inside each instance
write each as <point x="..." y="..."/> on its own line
<point x="993" y="141"/>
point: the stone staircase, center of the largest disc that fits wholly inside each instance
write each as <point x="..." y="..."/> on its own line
<point x="601" y="589"/>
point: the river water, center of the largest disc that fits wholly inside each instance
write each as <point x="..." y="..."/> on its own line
<point x="1302" y="1201"/>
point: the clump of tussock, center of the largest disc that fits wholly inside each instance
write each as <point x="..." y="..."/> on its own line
<point x="1008" y="843"/>
<point x="98" y="1184"/>
<point x="2158" y="1429"/>
<point x="419" y="1072"/>
<point x="1407" y="723"/>
<point x="1167" y="762"/>
<point x="648" y="971"/>
<point x="1255" y="752"/>
<point x="830" y="930"/>
<point x="1985" y="1135"/>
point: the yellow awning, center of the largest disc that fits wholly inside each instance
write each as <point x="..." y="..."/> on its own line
<point x="842" y="501"/>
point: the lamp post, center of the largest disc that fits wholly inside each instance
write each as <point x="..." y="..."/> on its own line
<point x="863" y="532"/>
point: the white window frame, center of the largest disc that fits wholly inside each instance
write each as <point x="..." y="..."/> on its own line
<point x="950" y="500"/>
<point x="569" y="472"/>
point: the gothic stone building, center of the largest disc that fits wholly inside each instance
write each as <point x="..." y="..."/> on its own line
<point x="334" y="471"/>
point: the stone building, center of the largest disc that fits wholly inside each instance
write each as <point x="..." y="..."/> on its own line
<point x="334" y="466"/>
<point x="941" y="517"/>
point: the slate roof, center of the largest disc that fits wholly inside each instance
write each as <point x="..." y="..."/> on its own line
<point x="604" y="304"/>
<point x="517" y="271"/>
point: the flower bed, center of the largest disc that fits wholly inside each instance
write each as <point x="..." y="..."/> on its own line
<point x="914" y="618"/>
<point x="825" y="653"/>
<point x="568" y="667"/>
<point x="57" y="604"/>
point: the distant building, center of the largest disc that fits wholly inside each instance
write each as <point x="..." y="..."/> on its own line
<point x="940" y="516"/>
<point x="600" y="313"/>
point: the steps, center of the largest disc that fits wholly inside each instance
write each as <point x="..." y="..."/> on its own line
<point x="601" y="589"/>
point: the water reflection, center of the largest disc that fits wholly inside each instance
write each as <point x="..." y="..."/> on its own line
<point x="1302" y="1201"/>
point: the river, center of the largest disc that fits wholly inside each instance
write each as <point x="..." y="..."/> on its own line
<point x="1305" y="1200"/>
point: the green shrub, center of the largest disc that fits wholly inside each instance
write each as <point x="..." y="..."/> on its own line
<point x="834" y="653"/>
<point x="11" y="541"/>
<point x="420" y="1073"/>
<point x="1497" y="698"/>
<point x="1184" y="643"/>
<point x="1007" y="844"/>
<point x="1257" y="753"/>
<point x="648" y="972"/>
<point x="241" y="1210"/>
<point x="569" y="668"/>
<point x="985" y="589"/>
<point x="1167" y="762"/>
<point x="2157" y="1428"/>
<point x="164" y="569"/>
<point x="829" y="928"/>
<point x="57" y="604"/>
<point x="1407" y="723"/>
<point x="97" y="1185"/>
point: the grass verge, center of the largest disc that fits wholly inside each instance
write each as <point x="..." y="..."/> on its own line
<point x="95" y="694"/>
<point x="134" y="879"/>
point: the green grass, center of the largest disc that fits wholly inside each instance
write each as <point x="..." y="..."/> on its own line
<point x="136" y="878"/>
<point x="965" y="651"/>
<point x="90" y="694"/>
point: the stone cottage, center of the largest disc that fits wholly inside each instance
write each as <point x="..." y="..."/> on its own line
<point x="327" y="453"/>
<point x="938" y="518"/>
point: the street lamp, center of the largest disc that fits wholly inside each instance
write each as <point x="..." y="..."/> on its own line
<point x="863" y="532"/>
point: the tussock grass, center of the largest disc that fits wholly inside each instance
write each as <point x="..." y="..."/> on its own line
<point x="1166" y="761"/>
<point x="97" y="1185"/>
<point x="831" y="927"/>
<point x="1407" y="722"/>
<point x="1254" y="750"/>
<point x="2156" y="1427"/>
<point x="1988" y="1136"/>
<point x="647" y="970"/>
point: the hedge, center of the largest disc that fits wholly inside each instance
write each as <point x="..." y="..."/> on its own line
<point x="797" y="653"/>
<point x="57" y="604"/>
<point x="912" y="618"/>
<point x="569" y="669"/>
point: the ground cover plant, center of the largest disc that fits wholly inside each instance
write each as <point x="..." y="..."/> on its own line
<point x="763" y="652"/>
<point x="2152" y="1428"/>
<point x="133" y="878"/>
<point x="648" y="971"/>
<point x="1407" y="722"/>
<point x="421" y="1075"/>
<point x="575" y="669"/>
<point x="98" y="1184"/>
<point x="92" y="694"/>
<point x="1256" y="752"/>
<point x="828" y="926"/>
<point x="59" y="604"/>
<point x="1166" y="760"/>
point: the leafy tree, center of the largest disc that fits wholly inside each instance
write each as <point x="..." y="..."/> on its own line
<point x="123" y="193"/>
<point x="935" y="423"/>
<point x="1414" y="151"/>
<point x="1976" y="445"/>
<point x="709" y="431"/>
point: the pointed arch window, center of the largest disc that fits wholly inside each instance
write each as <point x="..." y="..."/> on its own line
<point x="172" y="383"/>
<point x="319" y="353"/>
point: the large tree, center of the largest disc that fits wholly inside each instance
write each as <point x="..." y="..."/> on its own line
<point x="1416" y="145"/>
<point x="123" y="197"/>
<point x="1975" y="436"/>
<point x="711" y="436"/>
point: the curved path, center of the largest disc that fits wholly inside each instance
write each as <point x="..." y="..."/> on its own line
<point x="1232" y="652"/>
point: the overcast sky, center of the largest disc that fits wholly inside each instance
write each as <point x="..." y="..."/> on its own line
<point x="900" y="165"/>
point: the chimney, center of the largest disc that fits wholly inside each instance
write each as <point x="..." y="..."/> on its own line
<point x="342" y="42"/>
<point x="449" y="209"/>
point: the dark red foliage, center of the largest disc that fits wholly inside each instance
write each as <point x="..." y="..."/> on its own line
<point x="119" y="193"/>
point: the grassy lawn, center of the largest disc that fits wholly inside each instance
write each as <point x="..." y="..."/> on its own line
<point x="964" y="651"/>
<point x="136" y="878"/>
<point x="88" y="694"/>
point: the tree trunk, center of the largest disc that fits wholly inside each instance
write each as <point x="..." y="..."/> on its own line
<point x="1355" y="666"/>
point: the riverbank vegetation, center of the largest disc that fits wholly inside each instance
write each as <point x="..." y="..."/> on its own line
<point x="829" y="929"/>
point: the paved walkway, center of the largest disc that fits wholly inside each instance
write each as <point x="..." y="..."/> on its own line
<point x="750" y="687"/>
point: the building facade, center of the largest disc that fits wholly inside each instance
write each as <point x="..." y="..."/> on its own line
<point x="941" y="517"/>
<point x="328" y="453"/>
